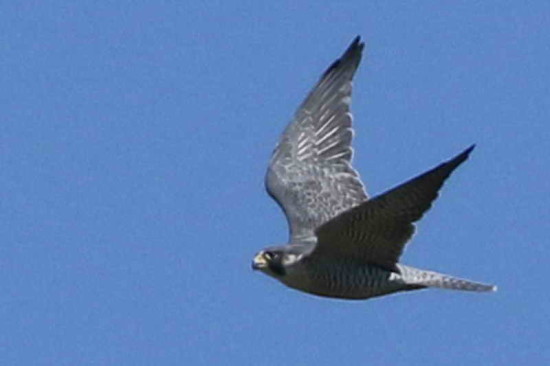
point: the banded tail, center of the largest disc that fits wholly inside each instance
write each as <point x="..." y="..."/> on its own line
<point x="418" y="277"/>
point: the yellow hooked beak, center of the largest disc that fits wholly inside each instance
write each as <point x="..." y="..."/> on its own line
<point x="259" y="261"/>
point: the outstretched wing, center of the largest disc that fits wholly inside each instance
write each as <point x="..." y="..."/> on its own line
<point x="376" y="231"/>
<point x="310" y="173"/>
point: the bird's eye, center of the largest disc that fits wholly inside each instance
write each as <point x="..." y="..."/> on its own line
<point x="269" y="255"/>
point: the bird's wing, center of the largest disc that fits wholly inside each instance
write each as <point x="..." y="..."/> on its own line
<point x="376" y="231"/>
<point x="310" y="173"/>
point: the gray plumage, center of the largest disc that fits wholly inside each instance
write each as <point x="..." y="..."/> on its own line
<point x="343" y="244"/>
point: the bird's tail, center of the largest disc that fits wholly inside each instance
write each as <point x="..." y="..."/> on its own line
<point x="421" y="278"/>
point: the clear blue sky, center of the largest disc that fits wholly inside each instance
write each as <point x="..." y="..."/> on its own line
<point x="134" y="138"/>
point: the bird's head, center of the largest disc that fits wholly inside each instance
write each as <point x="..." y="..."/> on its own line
<point x="275" y="261"/>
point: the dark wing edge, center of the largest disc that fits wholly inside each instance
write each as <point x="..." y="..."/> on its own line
<point x="310" y="174"/>
<point x="376" y="231"/>
<point x="346" y="65"/>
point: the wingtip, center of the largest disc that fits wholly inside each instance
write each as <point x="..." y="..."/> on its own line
<point x="464" y="155"/>
<point x="352" y="56"/>
<point x="356" y="45"/>
<point x="354" y="50"/>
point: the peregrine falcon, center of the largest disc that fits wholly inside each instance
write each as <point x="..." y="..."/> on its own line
<point x="342" y="243"/>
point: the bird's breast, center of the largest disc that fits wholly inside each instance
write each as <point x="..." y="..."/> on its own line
<point x="343" y="280"/>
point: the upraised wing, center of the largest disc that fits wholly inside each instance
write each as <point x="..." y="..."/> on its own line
<point x="376" y="231"/>
<point x="310" y="173"/>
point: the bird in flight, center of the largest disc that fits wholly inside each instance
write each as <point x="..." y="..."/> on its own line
<point x="342" y="243"/>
